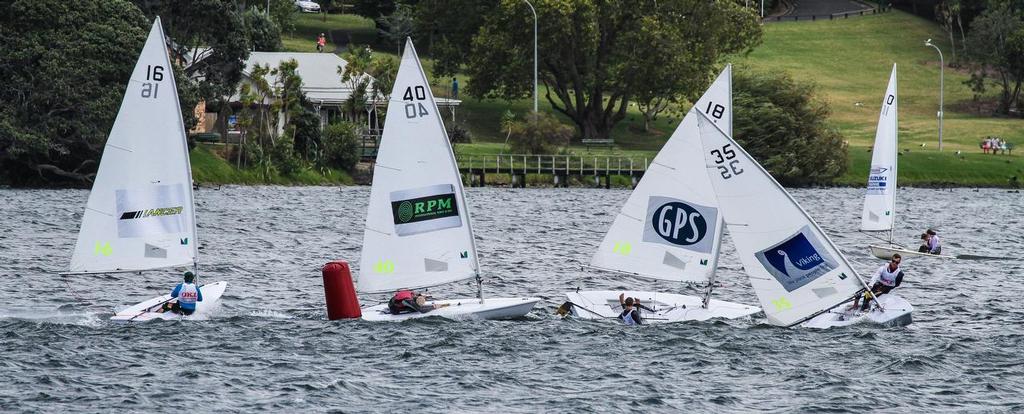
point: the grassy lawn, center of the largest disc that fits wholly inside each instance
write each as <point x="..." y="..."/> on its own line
<point x="208" y="167"/>
<point x="848" y="59"/>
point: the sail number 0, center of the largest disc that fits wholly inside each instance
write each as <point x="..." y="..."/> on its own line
<point x="726" y="162"/>
<point x="413" y="110"/>
<point x="154" y="73"/>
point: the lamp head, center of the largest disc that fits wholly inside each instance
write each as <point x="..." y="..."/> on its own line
<point x="928" y="42"/>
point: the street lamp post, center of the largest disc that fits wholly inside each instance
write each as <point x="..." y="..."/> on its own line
<point x="942" y="67"/>
<point x="534" y="55"/>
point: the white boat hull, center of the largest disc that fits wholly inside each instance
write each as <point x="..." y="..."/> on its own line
<point x="898" y="312"/>
<point x="150" y="309"/>
<point x="886" y="252"/>
<point x="468" y="308"/>
<point x="668" y="307"/>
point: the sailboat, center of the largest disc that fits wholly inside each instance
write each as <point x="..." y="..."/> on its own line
<point x="795" y="269"/>
<point x="141" y="211"/>
<point x="669" y="229"/>
<point x="880" y="201"/>
<point x="418" y="230"/>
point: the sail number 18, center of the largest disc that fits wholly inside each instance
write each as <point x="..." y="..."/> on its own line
<point x="726" y="161"/>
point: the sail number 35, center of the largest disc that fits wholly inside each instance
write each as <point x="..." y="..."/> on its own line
<point x="726" y="161"/>
<point x="415" y="109"/>
<point x="153" y="73"/>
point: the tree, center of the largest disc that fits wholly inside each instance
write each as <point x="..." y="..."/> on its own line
<point x="62" y="88"/>
<point x="397" y="26"/>
<point x="341" y="145"/>
<point x="539" y="133"/>
<point x="264" y="34"/>
<point x="996" y="45"/>
<point x="596" y="55"/>
<point x="448" y="27"/>
<point x="781" y="124"/>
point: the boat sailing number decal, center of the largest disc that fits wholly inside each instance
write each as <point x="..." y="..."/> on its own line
<point x="726" y="162"/>
<point x="153" y="73"/>
<point x="888" y="104"/>
<point x="715" y="110"/>
<point x="415" y="109"/>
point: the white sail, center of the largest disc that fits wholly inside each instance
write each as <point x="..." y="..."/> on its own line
<point x="140" y="212"/>
<point x="670" y="226"/>
<point x="794" y="268"/>
<point x="880" y="201"/>
<point x="417" y="225"/>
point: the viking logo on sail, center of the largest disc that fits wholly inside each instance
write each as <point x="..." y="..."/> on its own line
<point x="425" y="209"/>
<point x="797" y="261"/>
<point x="878" y="180"/>
<point x="680" y="224"/>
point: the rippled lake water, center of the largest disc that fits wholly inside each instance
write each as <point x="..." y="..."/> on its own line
<point x="270" y="346"/>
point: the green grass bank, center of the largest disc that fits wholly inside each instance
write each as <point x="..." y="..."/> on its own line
<point x="209" y="167"/>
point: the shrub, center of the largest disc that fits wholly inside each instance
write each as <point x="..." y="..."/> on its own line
<point x="781" y="124"/>
<point x="539" y="133"/>
<point x="459" y="134"/>
<point x="342" y="145"/>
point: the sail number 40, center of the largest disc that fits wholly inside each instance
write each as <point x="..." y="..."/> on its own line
<point x="154" y="73"/>
<point x="726" y="161"/>
<point x="415" y="109"/>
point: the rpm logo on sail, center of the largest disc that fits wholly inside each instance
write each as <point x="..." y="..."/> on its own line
<point x="680" y="224"/>
<point x="425" y="209"/>
<point x="878" y="180"/>
<point x="797" y="261"/>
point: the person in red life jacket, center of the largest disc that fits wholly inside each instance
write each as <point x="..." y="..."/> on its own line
<point x="321" y="42"/>
<point x="187" y="294"/>
<point x="406" y="301"/>
<point x="887" y="278"/>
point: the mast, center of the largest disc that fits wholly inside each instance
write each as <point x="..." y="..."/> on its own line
<point x="896" y="149"/>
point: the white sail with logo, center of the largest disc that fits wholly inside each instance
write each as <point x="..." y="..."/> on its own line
<point x="417" y="225"/>
<point x="794" y="268"/>
<point x="880" y="201"/>
<point x="670" y="227"/>
<point x="140" y="213"/>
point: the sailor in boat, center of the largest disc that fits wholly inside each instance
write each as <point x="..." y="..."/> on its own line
<point x="406" y="301"/>
<point x="630" y="314"/>
<point x="187" y="294"/>
<point x="933" y="246"/>
<point x="887" y="278"/>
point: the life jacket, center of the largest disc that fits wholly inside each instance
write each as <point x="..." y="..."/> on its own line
<point x="396" y="305"/>
<point x="888" y="278"/>
<point x="627" y="317"/>
<point x="188" y="294"/>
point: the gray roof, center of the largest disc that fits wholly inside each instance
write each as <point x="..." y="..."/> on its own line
<point x="319" y="72"/>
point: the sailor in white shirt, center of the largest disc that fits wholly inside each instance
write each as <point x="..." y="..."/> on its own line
<point x="885" y="279"/>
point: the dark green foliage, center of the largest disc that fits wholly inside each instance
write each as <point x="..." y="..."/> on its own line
<point x="995" y="46"/>
<point x="264" y="33"/>
<point x="397" y="26"/>
<point x="373" y="8"/>
<point x="341" y="145"/>
<point x="307" y="133"/>
<point x="458" y="133"/>
<point x="61" y="88"/>
<point x="781" y="124"/>
<point x="539" y="133"/>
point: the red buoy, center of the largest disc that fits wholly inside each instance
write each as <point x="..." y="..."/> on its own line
<point x="340" y="292"/>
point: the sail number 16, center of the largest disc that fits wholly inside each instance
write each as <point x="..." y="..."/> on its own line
<point x="726" y="161"/>
<point x="153" y="73"/>
<point x="413" y="110"/>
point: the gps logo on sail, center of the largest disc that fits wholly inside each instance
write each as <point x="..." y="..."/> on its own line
<point x="425" y="209"/>
<point x="797" y="261"/>
<point x="680" y="224"/>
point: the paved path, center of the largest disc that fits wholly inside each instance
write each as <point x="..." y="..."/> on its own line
<point x="824" y="7"/>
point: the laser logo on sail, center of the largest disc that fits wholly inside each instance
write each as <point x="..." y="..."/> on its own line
<point x="153" y="212"/>
<point x="680" y="224"/>
<point x="797" y="261"/>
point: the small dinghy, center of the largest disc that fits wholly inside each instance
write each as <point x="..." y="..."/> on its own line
<point x="418" y="229"/>
<point x="894" y="311"/>
<point x="669" y="229"/>
<point x="154" y="308"/>
<point x="141" y="211"/>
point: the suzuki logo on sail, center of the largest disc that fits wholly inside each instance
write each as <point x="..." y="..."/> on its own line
<point x="797" y="261"/>
<point x="878" y="180"/>
<point x="425" y="209"/>
<point x="680" y="224"/>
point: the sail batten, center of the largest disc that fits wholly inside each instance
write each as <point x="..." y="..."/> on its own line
<point x="418" y="231"/>
<point x="795" y="270"/>
<point x="879" y="213"/>
<point x="140" y="214"/>
<point x="670" y="226"/>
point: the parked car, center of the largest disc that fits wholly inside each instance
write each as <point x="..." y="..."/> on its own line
<point x="307" y="6"/>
